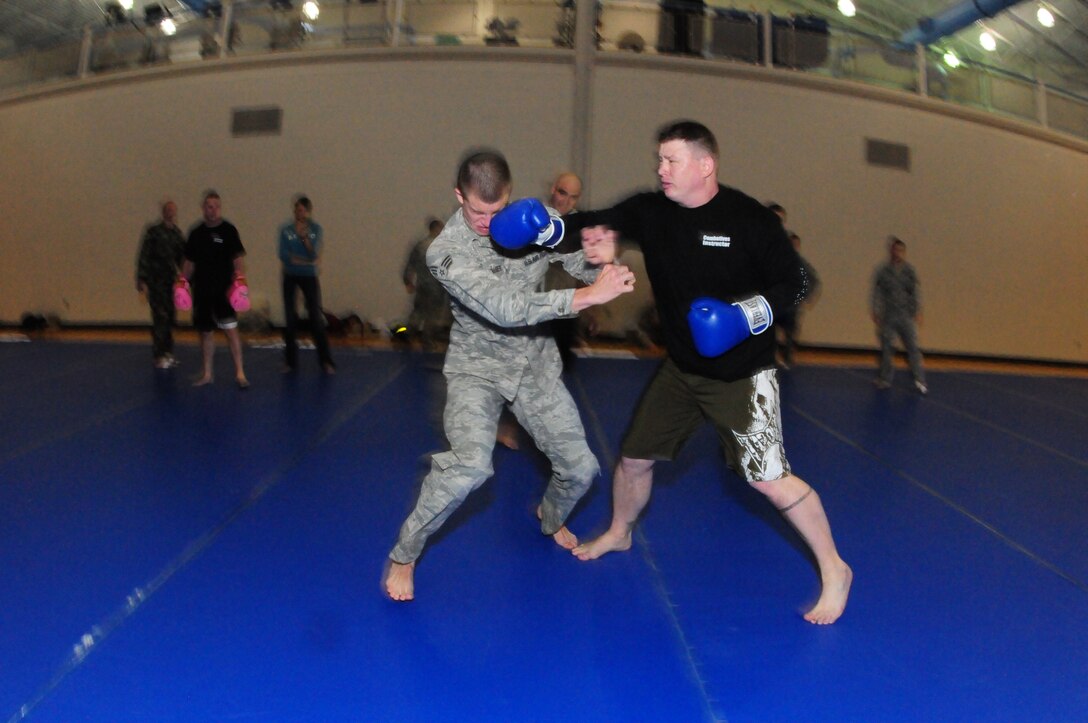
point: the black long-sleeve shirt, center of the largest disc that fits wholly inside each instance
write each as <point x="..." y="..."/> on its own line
<point x="729" y="248"/>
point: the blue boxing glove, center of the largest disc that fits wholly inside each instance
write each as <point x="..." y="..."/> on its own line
<point x="526" y="222"/>
<point x="717" y="326"/>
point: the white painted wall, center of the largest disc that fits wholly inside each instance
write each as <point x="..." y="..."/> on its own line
<point x="994" y="221"/>
<point x="993" y="217"/>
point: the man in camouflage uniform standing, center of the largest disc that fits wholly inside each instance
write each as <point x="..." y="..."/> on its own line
<point x="156" y="270"/>
<point x="430" y="317"/>
<point x="501" y="353"/>
<point x="896" y="303"/>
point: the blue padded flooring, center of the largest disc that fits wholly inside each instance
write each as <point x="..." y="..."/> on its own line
<point x="178" y="554"/>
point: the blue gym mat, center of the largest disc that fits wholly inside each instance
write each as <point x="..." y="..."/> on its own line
<point x="170" y="553"/>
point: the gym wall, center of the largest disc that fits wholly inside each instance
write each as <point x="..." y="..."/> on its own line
<point x="993" y="213"/>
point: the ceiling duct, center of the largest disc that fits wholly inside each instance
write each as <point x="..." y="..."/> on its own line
<point x="952" y="20"/>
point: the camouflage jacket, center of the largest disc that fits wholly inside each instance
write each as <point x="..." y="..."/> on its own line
<point x="498" y="309"/>
<point x="160" y="255"/>
<point x="896" y="292"/>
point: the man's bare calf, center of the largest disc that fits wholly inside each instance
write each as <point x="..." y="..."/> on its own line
<point x="801" y="506"/>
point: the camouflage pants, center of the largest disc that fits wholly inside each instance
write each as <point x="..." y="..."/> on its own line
<point x="471" y="420"/>
<point x="905" y="328"/>
<point x="163" y="317"/>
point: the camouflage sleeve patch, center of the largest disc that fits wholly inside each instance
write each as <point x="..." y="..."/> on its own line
<point x="441" y="269"/>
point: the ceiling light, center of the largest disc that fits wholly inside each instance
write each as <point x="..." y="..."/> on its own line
<point x="311" y="10"/>
<point x="987" y="41"/>
<point x="1044" y="16"/>
<point x="846" y="7"/>
<point x="115" y="14"/>
<point x="168" y="27"/>
<point x="951" y="59"/>
<point x="126" y="4"/>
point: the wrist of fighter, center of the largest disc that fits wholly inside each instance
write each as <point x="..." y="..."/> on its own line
<point x="757" y="312"/>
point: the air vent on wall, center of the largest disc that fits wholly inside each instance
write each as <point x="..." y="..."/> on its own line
<point x="889" y="155"/>
<point x="256" y="121"/>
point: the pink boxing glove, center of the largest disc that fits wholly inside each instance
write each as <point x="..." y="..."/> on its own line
<point x="238" y="294"/>
<point x="183" y="294"/>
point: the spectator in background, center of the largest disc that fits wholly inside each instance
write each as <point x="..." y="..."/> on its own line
<point x="788" y="322"/>
<point x="300" y="243"/>
<point x="430" y="319"/>
<point x="896" y="304"/>
<point x="157" y="267"/>
<point x="566" y="192"/>
<point x="788" y="319"/>
<point x="778" y="210"/>
<point x="213" y="259"/>
<point x="564" y="195"/>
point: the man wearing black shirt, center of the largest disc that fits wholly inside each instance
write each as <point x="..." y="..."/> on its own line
<point x="213" y="258"/>
<point x="703" y="239"/>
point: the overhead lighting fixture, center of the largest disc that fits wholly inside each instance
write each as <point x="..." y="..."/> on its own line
<point x="987" y="41"/>
<point x="155" y="14"/>
<point x="126" y="4"/>
<point x="311" y="10"/>
<point x="847" y="8"/>
<point x="115" y="14"/>
<point x="951" y="59"/>
<point x="1044" y="16"/>
<point x="168" y="27"/>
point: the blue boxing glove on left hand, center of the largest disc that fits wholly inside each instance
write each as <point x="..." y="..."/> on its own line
<point x="718" y="326"/>
<point x="526" y="222"/>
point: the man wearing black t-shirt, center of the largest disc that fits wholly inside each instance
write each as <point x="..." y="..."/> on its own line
<point x="704" y="240"/>
<point x="213" y="258"/>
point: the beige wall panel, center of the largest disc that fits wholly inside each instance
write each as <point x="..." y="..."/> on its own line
<point x="994" y="218"/>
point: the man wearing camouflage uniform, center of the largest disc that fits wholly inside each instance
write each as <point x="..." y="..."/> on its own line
<point x="896" y="304"/>
<point x="501" y="353"/>
<point x="156" y="270"/>
<point x="430" y="317"/>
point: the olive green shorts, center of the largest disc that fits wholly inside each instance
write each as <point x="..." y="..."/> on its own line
<point x="746" y="414"/>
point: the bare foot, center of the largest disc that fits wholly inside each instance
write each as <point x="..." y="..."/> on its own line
<point x="242" y="382"/>
<point x="563" y="537"/>
<point x="832" y="600"/>
<point x="201" y="381"/>
<point x="608" y="542"/>
<point x="400" y="582"/>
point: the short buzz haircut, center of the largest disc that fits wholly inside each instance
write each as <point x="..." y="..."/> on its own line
<point x="896" y="241"/>
<point x="305" y="202"/>
<point x="210" y="193"/>
<point x="485" y="173"/>
<point x="691" y="132"/>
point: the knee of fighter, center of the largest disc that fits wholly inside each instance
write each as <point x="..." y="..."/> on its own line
<point x="471" y="465"/>
<point x="586" y="470"/>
